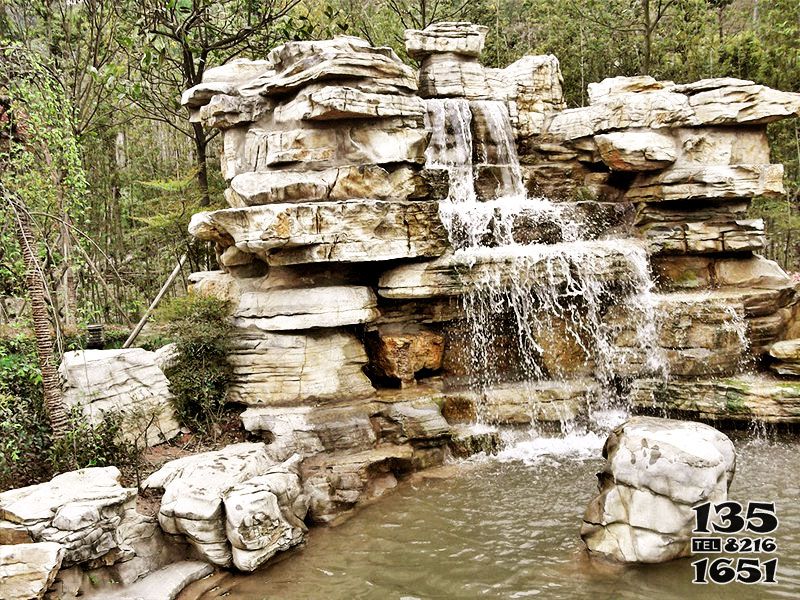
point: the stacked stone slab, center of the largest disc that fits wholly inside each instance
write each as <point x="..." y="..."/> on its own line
<point x="84" y="523"/>
<point x="450" y="69"/>
<point x="337" y="265"/>
<point x="323" y="150"/>
<point x="689" y="158"/>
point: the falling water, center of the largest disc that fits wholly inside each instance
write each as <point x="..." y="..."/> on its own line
<point x="526" y="299"/>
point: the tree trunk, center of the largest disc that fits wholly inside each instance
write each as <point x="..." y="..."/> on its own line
<point x="54" y="405"/>
<point x="648" y="37"/>
<point x="200" y="145"/>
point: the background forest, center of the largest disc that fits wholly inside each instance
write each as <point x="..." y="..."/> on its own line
<point x="112" y="168"/>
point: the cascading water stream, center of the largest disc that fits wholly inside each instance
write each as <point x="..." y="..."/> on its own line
<point x="539" y="294"/>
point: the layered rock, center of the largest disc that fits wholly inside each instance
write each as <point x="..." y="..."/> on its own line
<point x="288" y="234"/>
<point x="787" y="357"/>
<point x="548" y="266"/>
<point x="234" y="506"/>
<point x="656" y="470"/>
<point x="127" y="382"/>
<point x="523" y="403"/>
<point x="642" y="102"/>
<point x="28" y="570"/>
<point x="79" y="510"/>
<point x="744" y="398"/>
<point x="292" y="368"/>
<point x="354" y="452"/>
<point x="348" y="260"/>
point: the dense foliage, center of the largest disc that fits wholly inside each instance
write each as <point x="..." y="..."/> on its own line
<point x="28" y="452"/>
<point x="200" y="373"/>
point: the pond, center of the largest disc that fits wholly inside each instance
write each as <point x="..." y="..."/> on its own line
<point x="507" y="527"/>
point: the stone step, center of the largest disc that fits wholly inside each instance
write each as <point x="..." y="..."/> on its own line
<point x="164" y="584"/>
<point x="744" y="398"/>
<point x="608" y="262"/>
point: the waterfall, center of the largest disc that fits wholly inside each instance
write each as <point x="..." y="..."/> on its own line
<point x="547" y="292"/>
<point x="501" y="140"/>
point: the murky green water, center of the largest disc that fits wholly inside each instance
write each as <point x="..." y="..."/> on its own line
<point x="508" y="528"/>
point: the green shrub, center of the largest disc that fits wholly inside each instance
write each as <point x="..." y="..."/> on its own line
<point x="199" y="376"/>
<point x="98" y="445"/>
<point x="24" y="442"/>
<point x="28" y="452"/>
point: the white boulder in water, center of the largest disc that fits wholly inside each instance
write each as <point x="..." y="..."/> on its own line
<point x="656" y="470"/>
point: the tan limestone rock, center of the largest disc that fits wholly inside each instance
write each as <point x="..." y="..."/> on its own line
<point x="402" y="352"/>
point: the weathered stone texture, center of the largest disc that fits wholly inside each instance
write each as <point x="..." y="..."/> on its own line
<point x="292" y="368"/>
<point x="27" y="570"/>
<point x="284" y="234"/>
<point x="79" y="510"/>
<point x="234" y="506"/>
<point x="126" y="381"/>
<point x="656" y="470"/>
<point x="743" y="398"/>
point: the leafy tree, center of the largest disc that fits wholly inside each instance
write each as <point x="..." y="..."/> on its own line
<point x="176" y="41"/>
<point x="33" y="137"/>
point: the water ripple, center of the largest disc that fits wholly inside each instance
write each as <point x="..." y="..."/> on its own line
<point x="508" y="528"/>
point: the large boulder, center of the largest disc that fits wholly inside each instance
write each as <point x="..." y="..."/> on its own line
<point x="399" y="353"/>
<point x="306" y="308"/>
<point x="462" y="38"/>
<point x="28" y="570"/>
<point x="699" y="182"/>
<point x="194" y="487"/>
<point x="638" y="150"/>
<point x="234" y="506"/>
<point x="126" y="381"/>
<point x="264" y="515"/>
<point x="79" y="510"/>
<point x="256" y="186"/>
<point x="295" y="65"/>
<point x="656" y="470"/>
<point x="333" y="102"/>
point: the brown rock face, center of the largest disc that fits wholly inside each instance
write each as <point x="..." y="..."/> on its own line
<point x="402" y="353"/>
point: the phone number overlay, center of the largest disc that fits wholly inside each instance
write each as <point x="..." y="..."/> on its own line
<point x="755" y="518"/>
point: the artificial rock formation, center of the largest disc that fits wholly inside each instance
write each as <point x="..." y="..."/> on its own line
<point x="373" y="210"/>
<point x="656" y="470"/>
<point x="79" y="510"/>
<point x="235" y="506"/>
<point x="28" y="570"/>
<point x="786" y="355"/>
<point x="83" y="523"/>
<point x="129" y="382"/>
<point x="391" y="237"/>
